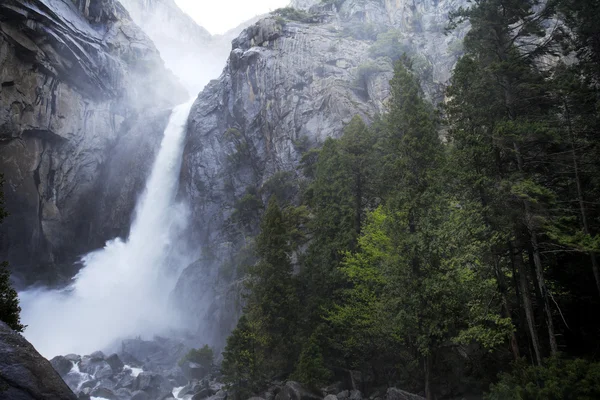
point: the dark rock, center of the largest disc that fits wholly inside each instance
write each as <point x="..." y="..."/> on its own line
<point x="73" y="358"/>
<point x="95" y="367"/>
<point x="130" y="360"/>
<point x="61" y="365"/>
<point x="25" y="374"/>
<point x="355" y="395"/>
<point x="397" y="394"/>
<point x="295" y="391"/>
<point x="333" y="389"/>
<point x="330" y="397"/>
<point x="115" y="363"/>
<point x="123" y="394"/>
<point x="155" y="385"/>
<point x="97" y="356"/>
<point x="202" y="394"/>
<point x="192" y="370"/>
<point x="83" y="396"/>
<point x="104" y="393"/>
<point x="344" y="394"/>
<point x="91" y="384"/>
<point x="140" y="395"/>
<point x="125" y="380"/>
<point x="220" y="395"/>
<point x="176" y="375"/>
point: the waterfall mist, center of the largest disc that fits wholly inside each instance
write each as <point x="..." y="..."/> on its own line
<point x="123" y="289"/>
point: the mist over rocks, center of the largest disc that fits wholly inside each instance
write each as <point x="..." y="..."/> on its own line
<point x="77" y="77"/>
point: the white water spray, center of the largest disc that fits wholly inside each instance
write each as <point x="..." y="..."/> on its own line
<point x="123" y="289"/>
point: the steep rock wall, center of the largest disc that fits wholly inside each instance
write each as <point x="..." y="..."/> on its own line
<point x="76" y="77"/>
<point x="288" y="86"/>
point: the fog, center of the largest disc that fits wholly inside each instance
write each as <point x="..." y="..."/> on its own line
<point x="219" y="17"/>
<point x="123" y="289"/>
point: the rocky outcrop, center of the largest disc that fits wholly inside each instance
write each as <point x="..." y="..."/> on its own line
<point x="292" y="80"/>
<point x="81" y="85"/>
<point x="25" y="374"/>
<point x="188" y="49"/>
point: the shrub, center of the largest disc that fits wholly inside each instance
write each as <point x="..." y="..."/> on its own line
<point x="558" y="379"/>
<point x="203" y="356"/>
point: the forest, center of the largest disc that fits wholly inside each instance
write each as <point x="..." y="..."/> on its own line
<point x="448" y="249"/>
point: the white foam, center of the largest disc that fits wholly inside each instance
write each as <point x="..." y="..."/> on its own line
<point x="123" y="289"/>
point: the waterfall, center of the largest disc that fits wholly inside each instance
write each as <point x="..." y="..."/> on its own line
<point x="122" y="290"/>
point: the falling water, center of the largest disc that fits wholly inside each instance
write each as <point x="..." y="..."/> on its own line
<point x="122" y="290"/>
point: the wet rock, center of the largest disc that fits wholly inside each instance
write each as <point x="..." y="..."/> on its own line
<point x="91" y="384"/>
<point x="104" y="393"/>
<point x="140" y="395"/>
<point x="123" y="394"/>
<point x="295" y="391"/>
<point x="74" y="358"/>
<point x="155" y="385"/>
<point x="61" y="365"/>
<point x="355" y="395"/>
<point x="398" y="394"/>
<point x="97" y="356"/>
<point x="25" y="374"/>
<point x="125" y="380"/>
<point x="192" y="370"/>
<point x="96" y="367"/>
<point x="344" y="394"/>
<point x="115" y="363"/>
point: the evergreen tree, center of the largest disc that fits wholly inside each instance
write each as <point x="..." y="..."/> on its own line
<point x="9" y="300"/>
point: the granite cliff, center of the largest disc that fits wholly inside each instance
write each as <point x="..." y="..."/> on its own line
<point x="81" y="84"/>
<point x="292" y="80"/>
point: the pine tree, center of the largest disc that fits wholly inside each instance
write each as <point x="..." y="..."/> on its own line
<point x="9" y="300"/>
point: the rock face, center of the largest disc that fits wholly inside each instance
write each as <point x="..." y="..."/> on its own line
<point x="289" y="85"/>
<point x="189" y="50"/>
<point x="25" y="374"/>
<point x="81" y="85"/>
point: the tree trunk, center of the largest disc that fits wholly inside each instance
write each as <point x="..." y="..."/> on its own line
<point x="517" y="260"/>
<point x="586" y="228"/>
<point x="514" y="344"/>
<point x="427" y="364"/>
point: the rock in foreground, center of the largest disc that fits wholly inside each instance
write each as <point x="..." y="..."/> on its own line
<point x="25" y="374"/>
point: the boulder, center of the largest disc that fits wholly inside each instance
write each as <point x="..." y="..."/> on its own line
<point x="123" y="394"/>
<point x="115" y="363"/>
<point x="125" y="380"/>
<point x="204" y="393"/>
<point x="192" y="370"/>
<point x="295" y="391"/>
<point x="155" y="385"/>
<point x="25" y="374"/>
<point x="397" y="394"/>
<point x="220" y="395"/>
<point x="355" y="395"/>
<point x="140" y="395"/>
<point x="330" y="397"/>
<point x="96" y="367"/>
<point x="344" y="394"/>
<point x="97" y="356"/>
<point x="104" y="393"/>
<point x="61" y="365"/>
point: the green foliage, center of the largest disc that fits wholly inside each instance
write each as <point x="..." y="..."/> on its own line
<point x="203" y="356"/>
<point x="310" y="369"/>
<point x="558" y="379"/>
<point x="389" y="44"/>
<point x="242" y="364"/>
<point x="10" y="311"/>
<point x="294" y="14"/>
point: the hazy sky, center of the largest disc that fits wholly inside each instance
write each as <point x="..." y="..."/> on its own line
<point x="218" y="16"/>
